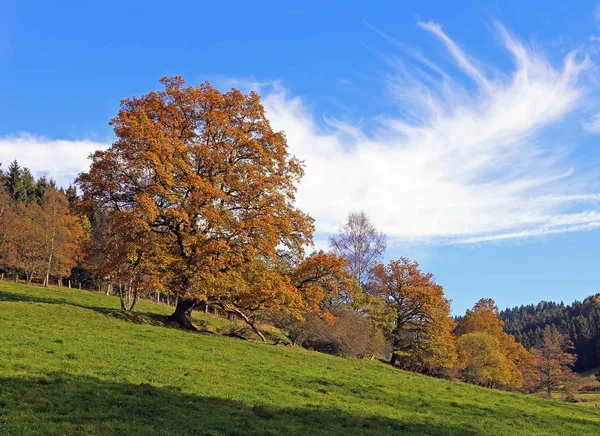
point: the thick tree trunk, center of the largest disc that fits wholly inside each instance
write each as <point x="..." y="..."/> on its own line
<point x="183" y="314"/>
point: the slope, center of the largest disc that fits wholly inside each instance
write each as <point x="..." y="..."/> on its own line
<point x="72" y="363"/>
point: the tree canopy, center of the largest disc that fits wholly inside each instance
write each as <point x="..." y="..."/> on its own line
<point x="206" y="173"/>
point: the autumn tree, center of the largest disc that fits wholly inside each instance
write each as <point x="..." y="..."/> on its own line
<point x="7" y="223"/>
<point x="205" y="172"/>
<point x="410" y="306"/>
<point x="62" y="233"/>
<point x="26" y="241"/>
<point x="294" y="290"/>
<point x="123" y="254"/>
<point x="360" y="243"/>
<point x="553" y="361"/>
<point x="486" y="354"/>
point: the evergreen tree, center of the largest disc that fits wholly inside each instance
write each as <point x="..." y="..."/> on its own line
<point x="28" y="194"/>
<point x="13" y="180"/>
<point x="41" y="188"/>
<point x="72" y="197"/>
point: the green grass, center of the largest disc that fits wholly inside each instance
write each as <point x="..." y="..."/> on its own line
<point x="72" y="363"/>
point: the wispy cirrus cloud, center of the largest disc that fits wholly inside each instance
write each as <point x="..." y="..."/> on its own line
<point x="468" y="160"/>
<point x="467" y="163"/>
<point x="593" y="124"/>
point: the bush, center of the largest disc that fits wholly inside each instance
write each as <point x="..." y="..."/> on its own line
<point x="349" y="334"/>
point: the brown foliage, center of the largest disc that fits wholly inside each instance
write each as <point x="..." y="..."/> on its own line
<point x="204" y="172"/>
<point x="410" y="306"/>
<point x="348" y="333"/>
<point x="553" y="361"/>
<point x="295" y="290"/>
<point x="41" y="239"/>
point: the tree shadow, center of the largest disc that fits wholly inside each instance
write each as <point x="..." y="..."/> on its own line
<point x="147" y="318"/>
<point x="63" y="404"/>
<point x="138" y="317"/>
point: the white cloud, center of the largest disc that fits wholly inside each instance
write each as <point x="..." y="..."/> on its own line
<point x="593" y="125"/>
<point x="60" y="159"/>
<point x="465" y="166"/>
<point x="467" y="163"/>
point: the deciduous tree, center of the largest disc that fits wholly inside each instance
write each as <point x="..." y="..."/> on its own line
<point x="410" y="306"/>
<point x="361" y="244"/>
<point x="486" y="354"/>
<point x="27" y="243"/>
<point x="205" y="171"/>
<point x="62" y="233"/>
<point x="553" y="361"/>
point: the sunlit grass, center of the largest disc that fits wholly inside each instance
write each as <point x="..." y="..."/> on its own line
<point x="72" y="363"/>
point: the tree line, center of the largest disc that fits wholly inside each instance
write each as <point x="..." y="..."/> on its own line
<point x="195" y="200"/>
<point x="580" y="322"/>
<point x="40" y="235"/>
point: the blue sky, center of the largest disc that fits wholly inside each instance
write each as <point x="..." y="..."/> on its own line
<point x="468" y="130"/>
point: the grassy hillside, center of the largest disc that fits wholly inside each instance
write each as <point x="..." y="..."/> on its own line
<point x="71" y="363"/>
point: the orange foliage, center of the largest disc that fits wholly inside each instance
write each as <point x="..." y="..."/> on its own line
<point x="41" y="239"/>
<point x="204" y="172"/>
<point x="411" y="307"/>
<point x="553" y="361"/>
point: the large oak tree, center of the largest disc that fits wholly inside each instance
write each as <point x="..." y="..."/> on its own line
<point x="205" y="172"/>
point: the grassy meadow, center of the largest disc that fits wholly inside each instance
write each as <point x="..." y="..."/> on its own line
<point x="72" y="363"/>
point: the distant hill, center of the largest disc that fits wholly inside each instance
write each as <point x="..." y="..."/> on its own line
<point x="580" y="321"/>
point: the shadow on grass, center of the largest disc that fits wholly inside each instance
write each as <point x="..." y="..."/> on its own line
<point x="147" y="318"/>
<point x="62" y="404"/>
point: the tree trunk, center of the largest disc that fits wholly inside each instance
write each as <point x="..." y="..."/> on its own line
<point x="183" y="314"/>
<point x="52" y="239"/>
<point x="393" y="359"/>
<point x="135" y="300"/>
<point x="47" y="281"/>
<point x="122" y="296"/>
